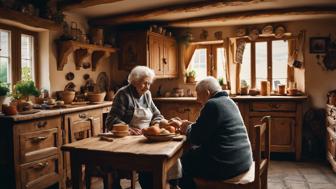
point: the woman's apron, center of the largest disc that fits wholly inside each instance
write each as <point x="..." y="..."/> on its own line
<point x="142" y="118"/>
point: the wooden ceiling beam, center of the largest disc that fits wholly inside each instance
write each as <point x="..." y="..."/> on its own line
<point x="69" y="5"/>
<point x="181" y="8"/>
<point x="254" y="14"/>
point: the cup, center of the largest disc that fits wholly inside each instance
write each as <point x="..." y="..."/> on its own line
<point x="282" y="89"/>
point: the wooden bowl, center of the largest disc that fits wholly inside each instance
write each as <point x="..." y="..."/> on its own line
<point x="120" y="127"/>
<point x="96" y="97"/>
<point x="68" y="96"/>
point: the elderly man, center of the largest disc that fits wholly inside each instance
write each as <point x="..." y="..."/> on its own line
<point x="220" y="148"/>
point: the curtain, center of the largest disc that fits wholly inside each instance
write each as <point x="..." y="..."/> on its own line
<point x="188" y="53"/>
<point x="295" y="51"/>
<point x="239" y="51"/>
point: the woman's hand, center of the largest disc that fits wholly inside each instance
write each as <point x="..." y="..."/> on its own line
<point x="135" y="131"/>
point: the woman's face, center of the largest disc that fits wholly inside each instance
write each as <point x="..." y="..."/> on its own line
<point x="143" y="85"/>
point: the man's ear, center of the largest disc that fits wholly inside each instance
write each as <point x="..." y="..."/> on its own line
<point x="208" y="93"/>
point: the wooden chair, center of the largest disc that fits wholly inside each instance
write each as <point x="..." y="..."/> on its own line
<point x="84" y="129"/>
<point x="256" y="177"/>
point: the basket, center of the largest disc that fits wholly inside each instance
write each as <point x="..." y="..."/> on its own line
<point x="96" y="97"/>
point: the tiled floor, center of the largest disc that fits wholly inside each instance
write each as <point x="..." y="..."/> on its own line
<point x="287" y="175"/>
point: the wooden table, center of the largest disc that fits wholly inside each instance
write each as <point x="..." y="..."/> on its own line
<point x="128" y="153"/>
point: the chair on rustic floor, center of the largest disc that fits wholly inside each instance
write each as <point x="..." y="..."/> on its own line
<point x="82" y="130"/>
<point x="256" y="177"/>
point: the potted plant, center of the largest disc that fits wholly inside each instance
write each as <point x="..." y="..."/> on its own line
<point x="21" y="92"/>
<point x="190" y="76"/>
<point x="221" y="83"/>
<point x="243" y="87"/>
<point x="4" y="89"/>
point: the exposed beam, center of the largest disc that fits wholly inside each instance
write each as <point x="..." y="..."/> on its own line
<point x="69" y="5"/>
<point x="181" y="8"/>
<point x="254" y="14"/>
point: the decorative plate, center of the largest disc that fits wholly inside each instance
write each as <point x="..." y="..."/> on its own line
<point x="86" y="76"/>
<point x="160" y="138"/>
<point x="70" y="87"/>
<point x="103" y="82"/>
<point x="69" y="76"/>
<point x="279" y="31"/>
<point x="268" y="29"/>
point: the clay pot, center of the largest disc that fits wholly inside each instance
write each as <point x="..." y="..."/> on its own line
<point x="244" y="90"/>
<point x="96" y="97"/>
<point x="190" y="79"/>
<point x="68" y="96"/>
<point x="9" y="110"/>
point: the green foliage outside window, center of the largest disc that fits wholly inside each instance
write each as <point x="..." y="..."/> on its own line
<point x="26" y="74"/>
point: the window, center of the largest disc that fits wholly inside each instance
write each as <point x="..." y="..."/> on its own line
<point x="208" y="60"/>
<point x="17" y="54"/>
<point x="265" y="59"/>
<point x="5" y="56"/>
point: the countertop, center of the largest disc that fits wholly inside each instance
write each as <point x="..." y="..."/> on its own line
<point x="55" y="112"/>
<point x="235" y="98"/>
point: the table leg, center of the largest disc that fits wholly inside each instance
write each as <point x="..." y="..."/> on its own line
<point x="76" y="171"/>
<point x="160" y="176"/>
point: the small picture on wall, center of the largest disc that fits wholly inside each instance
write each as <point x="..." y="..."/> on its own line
<point x="318" y="44"/>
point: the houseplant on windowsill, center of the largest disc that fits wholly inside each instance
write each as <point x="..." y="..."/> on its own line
<point x="190" y="76"/>
<point x="21" y="93"/>
<point x="244" y="87"/>
<point x="4" y="89"/>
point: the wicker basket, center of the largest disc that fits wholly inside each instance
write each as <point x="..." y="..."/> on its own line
<point x="96" y="97"/>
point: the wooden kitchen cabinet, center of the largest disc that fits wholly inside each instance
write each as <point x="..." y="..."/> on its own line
<point x="37" y="156"/>
<point x="331" y="135"/>
<point x="286" y="114"/>
<point x="154" y="50"/>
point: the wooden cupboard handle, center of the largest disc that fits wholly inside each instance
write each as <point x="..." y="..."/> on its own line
<point x="38" y="139"/>
<point x="83" y="116"/>
<point x="41" y="124"/>
<point x="41" y="165"/>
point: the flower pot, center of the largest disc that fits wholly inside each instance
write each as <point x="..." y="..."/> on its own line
<point x="2" y="99"/>
<point x="190" y="80"/>
<point x="244" y="90"/>
<point x="68" y="96"/>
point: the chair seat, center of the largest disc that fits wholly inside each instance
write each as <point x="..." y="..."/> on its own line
<point x="244" y="178"/>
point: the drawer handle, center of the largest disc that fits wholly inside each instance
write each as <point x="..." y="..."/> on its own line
<point x="38" y="139"/>
<point x="41" y="124"/>
<point x="41" y="165"/>
<point x="275" y="106"/>
<point x="82" y="116"/>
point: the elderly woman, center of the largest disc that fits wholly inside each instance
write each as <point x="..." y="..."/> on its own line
<point x="220" y="145"/>
<point x="133" y="105"/>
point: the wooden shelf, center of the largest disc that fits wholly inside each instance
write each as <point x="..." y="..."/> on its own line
<point x="32" y="21"/>
<point x="82" y="51"/>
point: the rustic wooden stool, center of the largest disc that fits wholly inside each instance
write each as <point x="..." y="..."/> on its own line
<point x="256" y="176"/>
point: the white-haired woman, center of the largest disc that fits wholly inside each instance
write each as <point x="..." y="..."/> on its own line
<point x="134" y="106"/>
<point x="221" y="147"/>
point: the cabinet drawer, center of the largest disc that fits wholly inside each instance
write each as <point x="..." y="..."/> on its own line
<point x="331" y="142"/>
<point x="40" y="174"/>
<point x="272" y="106"/>
<point x="38" y="125"/>
<point x="39" y="144"/>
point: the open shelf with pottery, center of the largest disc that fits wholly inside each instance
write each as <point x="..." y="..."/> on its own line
<point x="82" y="51"/>
<point x="13" y="16"/>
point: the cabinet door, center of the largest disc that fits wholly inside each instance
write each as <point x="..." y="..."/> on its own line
<point x="282" y="133"/>
<point x="170" y="58"/>
<point x="170" y="110"/>
<point x="156" y="54"/>
<point x="132" y="49"/>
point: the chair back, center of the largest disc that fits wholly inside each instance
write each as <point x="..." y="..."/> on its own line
<point x="80" y="130"/>
<point x="262" y="148"/>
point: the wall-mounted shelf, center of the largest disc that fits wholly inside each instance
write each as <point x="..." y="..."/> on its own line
<point x="13" y="16"/>
<point x="82" y="51"/>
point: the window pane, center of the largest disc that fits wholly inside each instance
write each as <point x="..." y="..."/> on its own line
<point x="199" y="63"/>
<point x="27" y="57"/>
<point x="261" y="62"/>
<point x="279" y="62"/>
<point x="245" y="72"/>
<point x="220" y="63"/>
<point x="4" y="56"/>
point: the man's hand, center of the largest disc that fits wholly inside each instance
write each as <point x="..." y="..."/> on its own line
<point x="184" y="126"/>
<point x="135" y="131"/>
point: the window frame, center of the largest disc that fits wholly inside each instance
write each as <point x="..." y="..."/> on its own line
<point x="211" y="55"/>
<point x="15" y="53"/>
<point x="290" y="70"/>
